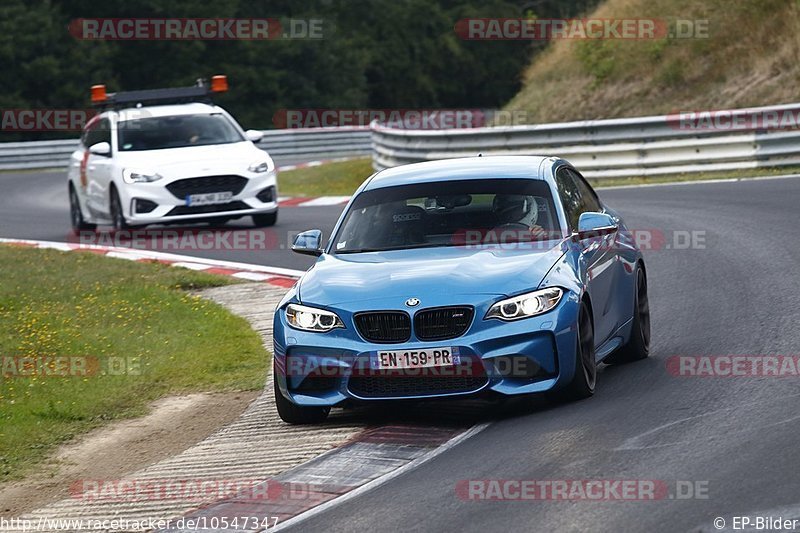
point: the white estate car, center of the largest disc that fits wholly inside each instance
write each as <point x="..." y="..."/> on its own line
<point x="143" y="164"/>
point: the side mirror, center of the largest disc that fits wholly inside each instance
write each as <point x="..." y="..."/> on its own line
<point x="253" y="135"/>
<point x="594" y="225"/>
<point x="102" y="148"/>
<point x="308" y="243"/>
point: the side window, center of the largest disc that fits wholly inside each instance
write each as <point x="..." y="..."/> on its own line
<point x="571" y="197"/>
<point x="590" y="200"/>
<point x="105" y="130"/>
<point x="98" y="132"/>
<point x="85" y="135"/>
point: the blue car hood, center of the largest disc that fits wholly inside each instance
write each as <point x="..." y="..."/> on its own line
<point x="437" y="272"/>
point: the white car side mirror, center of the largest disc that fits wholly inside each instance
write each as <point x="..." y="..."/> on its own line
<point x="253" y="135"/>
<point x="102" y="148"/>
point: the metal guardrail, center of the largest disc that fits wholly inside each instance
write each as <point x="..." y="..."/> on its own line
<point x="292" y="145"/>
<point x="629" y="147"/>
<point x="284" y="146"/>
<point x="36" y="154"/>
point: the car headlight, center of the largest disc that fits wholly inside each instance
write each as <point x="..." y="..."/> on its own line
<point x="259" y="166"/>
<point x="132" y="175"/>
<point x="526" y="305"/>
<point x="312" y="319"/>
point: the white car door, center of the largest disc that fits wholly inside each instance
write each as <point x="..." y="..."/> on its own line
<point x="98" y="168"/>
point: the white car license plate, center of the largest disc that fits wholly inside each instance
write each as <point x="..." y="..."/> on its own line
<point x="424" y="358"/>
<point x="210" y="198"/>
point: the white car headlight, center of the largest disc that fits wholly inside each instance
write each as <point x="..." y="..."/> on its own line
<point x="312" y="319"/>
<point x="526" y="305"/>
<point x="259" y="166"/>
<point x="133" y="175"/>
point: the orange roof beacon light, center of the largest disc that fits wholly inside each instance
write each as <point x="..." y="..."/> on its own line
<point x="219" y="84"/>
<point x="98" y="94"/>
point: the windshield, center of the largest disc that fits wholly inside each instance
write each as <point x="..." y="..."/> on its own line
<point x="449" y="213"/>
<point x="158" y="133"/>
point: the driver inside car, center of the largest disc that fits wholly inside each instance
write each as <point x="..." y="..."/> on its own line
<point x="517" y="213"/>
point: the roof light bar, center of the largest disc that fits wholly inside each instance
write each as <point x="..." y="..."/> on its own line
<point x="198" y="93"/>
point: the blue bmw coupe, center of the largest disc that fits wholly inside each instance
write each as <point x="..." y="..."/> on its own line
<point x="497" y="275"/>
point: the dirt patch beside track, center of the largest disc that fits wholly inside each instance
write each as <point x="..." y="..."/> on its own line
<point x="174" y="424"/>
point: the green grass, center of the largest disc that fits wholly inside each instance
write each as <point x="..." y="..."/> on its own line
<point x="736" y="54"/>
<point x="332" y="179"/>
<point x="55" y="304"/>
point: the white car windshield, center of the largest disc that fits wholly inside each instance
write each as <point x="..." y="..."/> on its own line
<point x="449" y="213"/>
<point x="179" y="131"/>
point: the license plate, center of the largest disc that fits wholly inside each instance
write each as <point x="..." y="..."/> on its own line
<point x="210" y="198"/>
<point x="425" y="358"/>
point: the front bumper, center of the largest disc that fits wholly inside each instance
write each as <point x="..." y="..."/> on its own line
<point x="507" y="358"/>
<point x="168" y="208"/>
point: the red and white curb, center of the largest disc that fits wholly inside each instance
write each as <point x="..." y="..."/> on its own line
<point x="317" y="163"/>
<point x="318" y="201"/>
<point x="370" y="459"/>
<point x="280" y="277"/>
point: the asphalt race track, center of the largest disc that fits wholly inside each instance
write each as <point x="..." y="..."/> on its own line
<point x="735" y="292"/>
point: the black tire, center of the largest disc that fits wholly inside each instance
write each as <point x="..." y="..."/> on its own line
<point x="297" y="414"/>
<point x="585" y="378"/>
<point x="75" y="214"/>
<point x="265" y="220"/>
<point x="638" y="346"/>
<point x="117" y="217"/>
